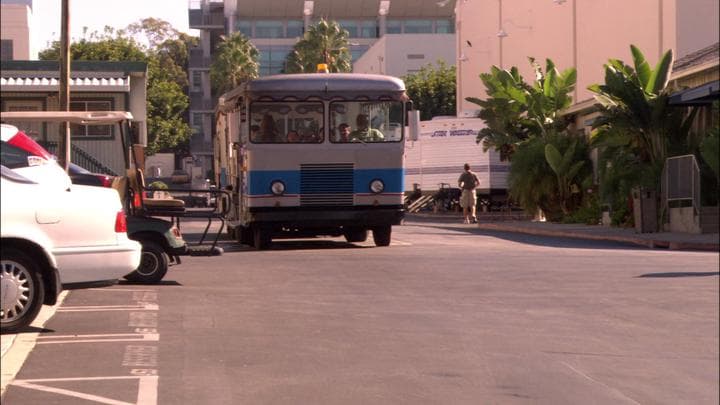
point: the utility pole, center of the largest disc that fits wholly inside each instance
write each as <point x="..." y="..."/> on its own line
<point x="64" y="138"/>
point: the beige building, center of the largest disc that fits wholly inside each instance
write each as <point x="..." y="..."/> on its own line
<point x="15" y="32"/>
<point x="398" y="54"/>
<point x="584" y="34"/>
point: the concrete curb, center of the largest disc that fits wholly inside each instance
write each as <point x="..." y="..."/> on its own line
<point x="646" y="242"/>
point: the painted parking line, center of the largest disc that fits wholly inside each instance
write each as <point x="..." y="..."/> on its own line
<point x="100" y="338"/>
<point x="147" y="389"/>
<point x="141" y="306"/>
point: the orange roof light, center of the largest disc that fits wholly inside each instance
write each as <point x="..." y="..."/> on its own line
<point x="322" y="68"/>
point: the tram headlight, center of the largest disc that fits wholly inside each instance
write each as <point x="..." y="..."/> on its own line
<point x="377" y="186"/>
<point x="277" y="187"/>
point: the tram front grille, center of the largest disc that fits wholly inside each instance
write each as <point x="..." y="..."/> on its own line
<point x="326" y="184"/>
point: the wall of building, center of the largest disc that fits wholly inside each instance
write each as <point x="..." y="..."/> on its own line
<point x="398" y="54"/>
<point x="15" y="25"/>
<point x="577" y="33"/>
<point x="698" y="23"/>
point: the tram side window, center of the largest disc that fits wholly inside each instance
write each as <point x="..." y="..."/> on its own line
<point x="366" y="121"/>
<point x="286" y="122"/>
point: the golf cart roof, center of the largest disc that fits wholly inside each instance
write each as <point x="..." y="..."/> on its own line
<point x="74" y="117"/>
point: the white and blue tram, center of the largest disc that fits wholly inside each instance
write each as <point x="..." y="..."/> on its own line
<point x="313" y="154"/>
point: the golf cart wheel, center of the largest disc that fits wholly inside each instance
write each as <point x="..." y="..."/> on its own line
<point x="244" y="235"/>
<point x="22" y="290"/>
<point x="153" y="264"/>
<point x="355" y="234"/>
<point x="261" y="238"/>
<point x="382" y="235"/>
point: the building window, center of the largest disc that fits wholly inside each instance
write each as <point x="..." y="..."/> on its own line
<point x="415" y="56"/>
<point x="350" y="26"/>
<point x="393" y="27"/>
<point x="101" y="131"/>
<point x="357" y="51"/>
<point x="245" y="27"/>
<point x="295" y="28"/>
<point x="196" y="80"/>
<point x="197" y="122"/>
<point x="369" y="29"/>
<point x="418" y="27"/>
<point x="444" y="26"/>
<point x="269" y="29"/>
<point x="6" y="49"/>
<point x="272" y="59"/>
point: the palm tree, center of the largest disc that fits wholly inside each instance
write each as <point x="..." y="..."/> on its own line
<point x="324" y="42"/>
<point x="236" y="60"/>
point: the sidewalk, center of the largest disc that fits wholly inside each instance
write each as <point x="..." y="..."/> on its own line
<point x="666" y="240"/>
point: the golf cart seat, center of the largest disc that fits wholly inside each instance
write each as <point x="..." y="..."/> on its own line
<point x="152" y="206"/>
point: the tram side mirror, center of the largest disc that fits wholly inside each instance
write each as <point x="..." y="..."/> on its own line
<point x="414" y="124"/>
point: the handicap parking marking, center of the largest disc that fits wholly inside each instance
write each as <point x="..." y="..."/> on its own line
<point x="147" y="388"/>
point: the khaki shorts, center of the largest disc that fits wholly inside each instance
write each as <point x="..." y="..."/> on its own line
<point x="468" y="199"/>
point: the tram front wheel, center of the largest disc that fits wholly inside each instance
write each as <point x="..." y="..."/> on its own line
<point x="382" y="235"/>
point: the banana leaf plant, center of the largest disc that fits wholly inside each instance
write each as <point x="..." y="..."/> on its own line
<point x="635" y="112"/>
<point x="515" y="111"/>
<point x="566" y="168"/>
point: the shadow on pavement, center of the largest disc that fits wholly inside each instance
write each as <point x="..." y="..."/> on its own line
<point x="537" y="240"/>
<point x="29" y="329"/>
<point x="162" y="282"/>
<point x="680" y="274"/>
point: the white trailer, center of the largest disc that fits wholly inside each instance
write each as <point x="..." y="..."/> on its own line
<point x="442" y="148"/>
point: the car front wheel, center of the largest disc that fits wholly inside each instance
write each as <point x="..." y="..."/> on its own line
<point x="22" y="290"/>
<point x="153" y="264"/>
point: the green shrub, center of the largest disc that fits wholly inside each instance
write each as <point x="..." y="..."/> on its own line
<point x="158" y="185"/>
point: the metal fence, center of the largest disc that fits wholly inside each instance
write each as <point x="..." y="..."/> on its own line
<point x="681" y="182"/>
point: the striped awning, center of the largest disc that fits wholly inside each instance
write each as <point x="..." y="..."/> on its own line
<point x="77" y="84"/>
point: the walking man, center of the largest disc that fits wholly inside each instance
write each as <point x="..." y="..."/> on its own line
<point x="468" y="182"/>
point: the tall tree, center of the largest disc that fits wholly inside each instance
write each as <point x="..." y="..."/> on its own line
<point x="324" y="42"/>
<point x="432" y="90"/>
<point x="235" y="61"/>
<point x="167" y="102"/>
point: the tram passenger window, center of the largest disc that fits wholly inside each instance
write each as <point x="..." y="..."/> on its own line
<point x="294" y="122"/>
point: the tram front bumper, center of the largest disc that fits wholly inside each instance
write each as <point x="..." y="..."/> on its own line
<point x="301" y="217"/>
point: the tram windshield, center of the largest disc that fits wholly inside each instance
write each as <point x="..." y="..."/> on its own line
<point x="365" y="121"/>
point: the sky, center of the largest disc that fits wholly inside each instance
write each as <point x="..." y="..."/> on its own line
<point x="96" y="14"/>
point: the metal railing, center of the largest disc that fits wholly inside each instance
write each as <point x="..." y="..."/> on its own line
<point x="81" y="158"/>
<point x="681" y="182"/>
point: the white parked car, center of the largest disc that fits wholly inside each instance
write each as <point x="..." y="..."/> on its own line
<point x="54" y="235"/>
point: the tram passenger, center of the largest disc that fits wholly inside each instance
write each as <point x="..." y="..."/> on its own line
<point x="363" y="132"/>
